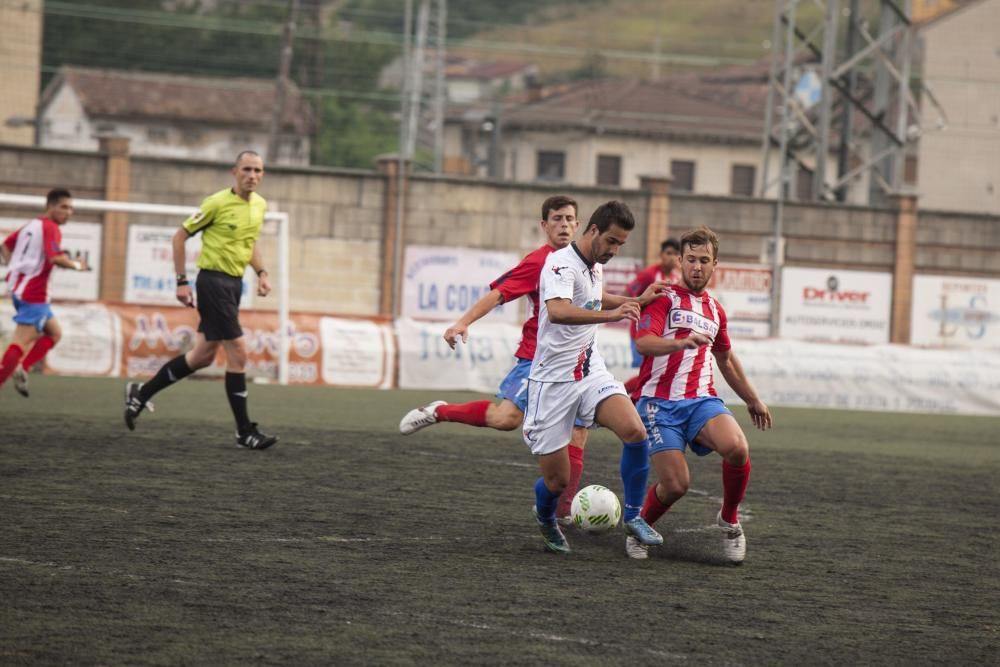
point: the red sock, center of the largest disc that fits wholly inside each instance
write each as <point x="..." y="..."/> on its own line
<point x="734" y="485"/>
<point x="38" y="352"/>
<point x="575" y="472"/>
<point x="473" y="414"/>
<point x="632" y="385"/>
<point x="652" y="508"/>
<point x="8" y="365"/>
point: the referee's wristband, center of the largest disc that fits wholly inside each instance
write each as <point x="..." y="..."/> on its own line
<point x="182" y="280"/>
<point x="262" y="272"/>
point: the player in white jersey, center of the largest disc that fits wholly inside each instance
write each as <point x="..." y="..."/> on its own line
<point x="677" y="398"/>
<point x="30" y="253"/>
<point x="569" y="382"/>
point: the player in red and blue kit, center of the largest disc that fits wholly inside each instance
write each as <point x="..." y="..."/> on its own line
<point x="677" y="399"/>
<point x="30" y="253"/>
<point x="559" y="221"/>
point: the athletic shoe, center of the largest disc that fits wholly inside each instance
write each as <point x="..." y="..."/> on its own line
<point x="21" y="381"/>
<point x="133" y="404"/>
<point x="420" y="418"/>
<point x="643" y="532"/>
<point x="555" y="541"/>
<point x="254" y="439"/>
<point x="636" y="549"/>
<point x="734" y="542"/>
<point x="565" y="521"/>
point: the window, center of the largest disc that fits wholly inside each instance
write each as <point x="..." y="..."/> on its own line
<point x="742" y="180"/>
<point x="551" y="166"/>
<point x="683" y="174"/>
<point x="609" y="170"/>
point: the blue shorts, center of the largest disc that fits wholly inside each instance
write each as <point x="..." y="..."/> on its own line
<point x="514" y="387"/>
<point x="673" y="425"/>
<point x="33" y="314"/>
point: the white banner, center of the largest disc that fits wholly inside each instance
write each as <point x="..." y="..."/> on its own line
<point x="955" y="312"/>
<point x="441" y="283"/>
<point x="91" y="343"/>
<point x="745" y="292"/>
<point x="79" y="240"/>
<point x="357" y="353"/>
<point x="426" y="361"/>
<point x="889" y="378"/>
<point x="835" y="306"/>
<point x="149" y="267"/>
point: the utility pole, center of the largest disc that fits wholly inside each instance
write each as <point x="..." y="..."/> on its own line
<point x="281" y="85"/>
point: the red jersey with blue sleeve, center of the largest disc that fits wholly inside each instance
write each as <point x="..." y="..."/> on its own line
<point x="685" y="373"/>
<point x="32" y="248"/>
<point x="520" y="281"/>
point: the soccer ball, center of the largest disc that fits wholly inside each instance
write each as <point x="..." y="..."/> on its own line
<point x="596" y="509"/>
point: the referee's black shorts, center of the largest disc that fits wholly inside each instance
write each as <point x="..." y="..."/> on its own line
<point x="219" y="305"/>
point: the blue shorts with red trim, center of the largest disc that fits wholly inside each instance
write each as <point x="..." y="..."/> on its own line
<point x="674" y="425"/>
<point x="32" y="314"/>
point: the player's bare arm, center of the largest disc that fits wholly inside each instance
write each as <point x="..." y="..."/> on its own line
<point x="656" y="346"/>
<point x="184" y="292"/>
<point x="736" y="378"/>
<point x="67" y="263"/>
<point x="648" y="295"/>
<point x="4" y="254"/>
<point x="263" y="278"/>
<point x="476" y="312"/>
<point x="562" y="311"/>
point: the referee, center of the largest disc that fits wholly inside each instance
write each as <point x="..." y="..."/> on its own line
<point x="230" y="222"/>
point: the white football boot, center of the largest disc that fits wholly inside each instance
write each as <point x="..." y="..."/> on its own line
<point x="419" y="418"/>
<point x="734" y="542"/>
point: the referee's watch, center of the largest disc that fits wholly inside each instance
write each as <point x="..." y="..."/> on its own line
<point x="182" y="280"/>
<point x="262" y="272"/>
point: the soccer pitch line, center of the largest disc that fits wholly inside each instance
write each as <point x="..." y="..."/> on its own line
<point x="456" y="457"/>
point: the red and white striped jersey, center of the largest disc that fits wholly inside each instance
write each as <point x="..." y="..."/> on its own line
<point x="32" y="248"/>
<point x="685" y="373"/>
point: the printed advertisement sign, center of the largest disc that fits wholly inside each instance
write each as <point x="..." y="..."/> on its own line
<point x="745" y="292"/>
<point x="358" y="353"/>
<point x="835" y="306"/>
<point x="955" y="312"/>
<point x="441" y="283"/>
<point x="149" y="267"/>
<point x="80" y="240"/>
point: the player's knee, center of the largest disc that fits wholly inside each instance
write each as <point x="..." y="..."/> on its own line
<point x="556" y="482"/>
<point x="671" y="489"/>
<point x="56" y="336"/>
<point x="738" y="455"/>
<point x="505" y="417"/>
<point x="634" y="433"/>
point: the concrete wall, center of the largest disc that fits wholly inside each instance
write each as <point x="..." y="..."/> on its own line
<point x="339" y="219"/>
<point x="20" y="67"/>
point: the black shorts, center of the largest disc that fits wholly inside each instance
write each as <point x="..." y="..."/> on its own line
<point x="219" y="305"/>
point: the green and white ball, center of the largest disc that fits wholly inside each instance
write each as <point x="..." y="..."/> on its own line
<point x="596" y="509"/>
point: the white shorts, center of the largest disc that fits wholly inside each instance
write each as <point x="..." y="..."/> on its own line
<point x="554" y="408"/>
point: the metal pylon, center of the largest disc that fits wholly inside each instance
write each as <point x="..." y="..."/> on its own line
<point x="840" y="95"/>
<point x="423" y="96"/>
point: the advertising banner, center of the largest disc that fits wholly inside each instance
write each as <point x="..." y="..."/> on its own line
<point x="441" y="283"/>
<point x="149" y="267"/>
<point x="80" y="240"/>
<point x="835" y="306"/>
<point x="955" y="312"/>
<point x="745" y="292"/>
<point x="357" y="353"/>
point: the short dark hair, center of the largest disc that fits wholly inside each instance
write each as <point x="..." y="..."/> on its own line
<point x="557" y="202"/>
<point x="56" y="195"/>
<point x="610" y="213"/>
<point x="702" y="236"/>
<point x="670" y="243"/>
<point x="246" y="152"/>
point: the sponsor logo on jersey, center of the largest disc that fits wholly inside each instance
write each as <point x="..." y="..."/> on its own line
<point x="688" y="319"/>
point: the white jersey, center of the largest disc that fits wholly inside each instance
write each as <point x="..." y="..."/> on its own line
<point x="566" y="353"/>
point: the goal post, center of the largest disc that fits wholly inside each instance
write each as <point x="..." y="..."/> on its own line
<point x="182" y="212"/>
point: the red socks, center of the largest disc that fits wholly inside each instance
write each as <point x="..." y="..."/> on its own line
<point x="734" y="485"/>
<point x="11" y="357"/>
<point x="38" y="351"/>
<point x="575" y="473"/>
<point x="652" y="508"/>
<point x="473" y="414"/>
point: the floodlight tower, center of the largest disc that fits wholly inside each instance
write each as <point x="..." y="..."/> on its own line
<point x="835" y="87"/>
<point x="424" y="93"/>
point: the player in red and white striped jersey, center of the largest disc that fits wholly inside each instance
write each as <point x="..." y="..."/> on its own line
<point x="30" y="253"/>
<point x="677" y="399"/>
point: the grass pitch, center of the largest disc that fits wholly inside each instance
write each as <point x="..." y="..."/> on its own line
<point x="872" y="538"/>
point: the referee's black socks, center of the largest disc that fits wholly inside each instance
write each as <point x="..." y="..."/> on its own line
<point x="169" y="373"/>
<point x="236" y="392"/>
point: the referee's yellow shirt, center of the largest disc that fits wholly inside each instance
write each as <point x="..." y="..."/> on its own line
<point x="230" y="226"/>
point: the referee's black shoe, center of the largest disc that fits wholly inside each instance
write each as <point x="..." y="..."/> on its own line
<point x="133" y="404"/>
<point x="254" y="439"/>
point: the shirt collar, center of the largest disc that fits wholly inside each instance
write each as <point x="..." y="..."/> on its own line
<point x="590" y="265"/>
